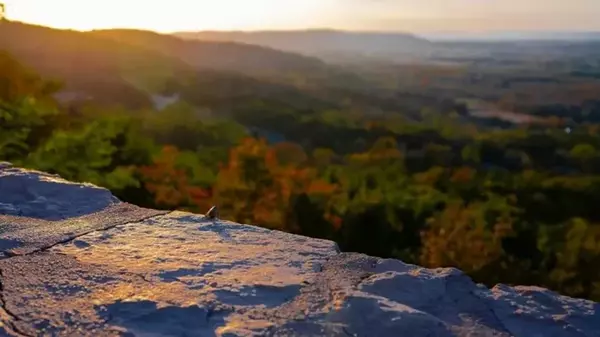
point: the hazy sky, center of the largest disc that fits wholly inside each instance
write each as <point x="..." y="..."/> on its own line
<point x="391" y="15"/>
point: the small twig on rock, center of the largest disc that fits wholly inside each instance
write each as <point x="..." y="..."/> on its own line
<point x="213" y="213"/>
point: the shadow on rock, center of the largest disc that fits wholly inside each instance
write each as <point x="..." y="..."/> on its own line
<point x="147" y="318"/>
<point x="43" y="196"/>
<point x="268" y="296"/>
<point x="362" y="315"/>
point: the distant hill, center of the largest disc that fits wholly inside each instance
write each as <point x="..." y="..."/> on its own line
<point x="331" y="45"/>
<point x="558" y="36"/>
<point x="217" y="55"/>
<point x="128" y="66"/>
<point x="105" y="69"/>
<point x="137" y="69"/>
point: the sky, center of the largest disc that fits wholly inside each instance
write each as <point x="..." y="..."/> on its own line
<point x="382" y="15"/>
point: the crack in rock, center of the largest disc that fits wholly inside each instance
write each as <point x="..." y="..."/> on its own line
<point x="11" y="316"/>
<point x="27" y="236"/>
<point x="102" y="229"/>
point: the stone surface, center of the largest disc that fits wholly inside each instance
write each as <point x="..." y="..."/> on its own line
<point x="38" y="210"/>
<point x="138" y="273"/>
<point x="44" y="196"/>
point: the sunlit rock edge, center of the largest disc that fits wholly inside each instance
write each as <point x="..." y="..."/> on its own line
<point x="140" y="272"/>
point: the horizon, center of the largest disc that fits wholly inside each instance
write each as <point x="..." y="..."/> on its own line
<point x="465" y="17"/>
<point x="450" y="34"/>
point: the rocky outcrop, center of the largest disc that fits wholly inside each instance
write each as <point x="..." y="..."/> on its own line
<point x="78" y="262"/>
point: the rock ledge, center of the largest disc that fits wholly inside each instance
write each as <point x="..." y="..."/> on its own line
<point x="76" y="261"/>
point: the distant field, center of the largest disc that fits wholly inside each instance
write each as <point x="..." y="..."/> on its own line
<point x="482" y="109"/>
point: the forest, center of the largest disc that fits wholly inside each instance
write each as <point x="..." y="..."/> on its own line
<point x="390" y="160"/>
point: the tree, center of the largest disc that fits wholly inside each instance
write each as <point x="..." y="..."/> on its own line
<point x="18" y="123"/>
<point x="573" y="250"/>
<point x="584" y="154"/>
<point x="243" y="183"/>
<point x="465" y="236"/>
<point x="169" y="179"/>
<point x="322" y="157"/>
<point x="269" y="185"/>
<point x="583" y="151"/>
<point x="25" y="105"/>
<point x="471" y="153"/>
<point x="85" y="154"/>
<point x="18" y="83"/>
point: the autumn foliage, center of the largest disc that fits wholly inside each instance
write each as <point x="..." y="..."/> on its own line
<point x="169" y="183"/>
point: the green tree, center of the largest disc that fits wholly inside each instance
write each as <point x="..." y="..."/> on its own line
<point x="574" y="250"/>
<point x="584" y="154"/>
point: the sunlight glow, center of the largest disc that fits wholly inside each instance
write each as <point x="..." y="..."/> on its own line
<point x="173" y="15"/>
<point x="411" y="15"/>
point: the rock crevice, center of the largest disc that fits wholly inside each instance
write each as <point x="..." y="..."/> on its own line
<point x="7" y="318"/>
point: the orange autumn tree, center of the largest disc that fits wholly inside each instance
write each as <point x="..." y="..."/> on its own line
<point x="465" y="236"/>
<point x="258" y="183"/>
<point x="169" y="181"/>
<point x="384" y="151"/>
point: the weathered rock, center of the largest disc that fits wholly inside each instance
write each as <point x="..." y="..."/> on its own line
<point x="44" y="196"/>
<point x="134" y="273"/>
<point x="38" y="210"/>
